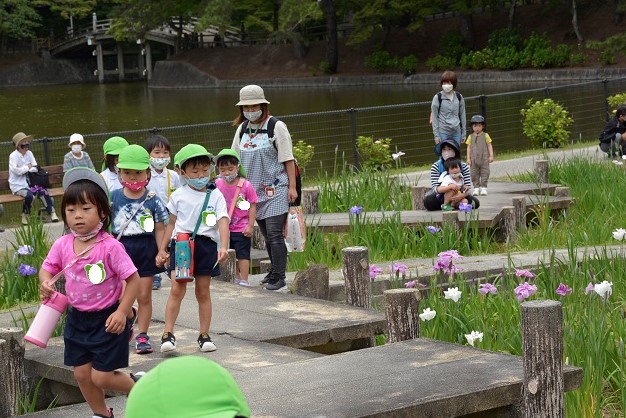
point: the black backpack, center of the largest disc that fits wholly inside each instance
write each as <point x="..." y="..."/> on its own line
<point x="271" y="123"/>
<point x="39" y="178"/>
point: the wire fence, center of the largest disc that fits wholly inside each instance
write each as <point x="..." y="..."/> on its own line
<point x="333" y="133"/>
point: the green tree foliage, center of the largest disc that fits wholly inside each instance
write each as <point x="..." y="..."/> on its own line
<point x="18" y="20"/>
<point x="69" y="8"/>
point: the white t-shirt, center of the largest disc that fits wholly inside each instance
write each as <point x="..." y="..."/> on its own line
<point x="18" y="169"/>
<point x="111" y="179"/>
<point x="445" y="180"/>
<point x="164" y="183"/>
<point x="186" y="204"/>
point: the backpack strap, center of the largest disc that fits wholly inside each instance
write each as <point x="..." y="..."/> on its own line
<point x="269" y="128"/>
<point x="235" y="198"/>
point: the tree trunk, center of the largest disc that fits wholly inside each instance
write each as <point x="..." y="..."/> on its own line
<point x="12" y="366"/>
<point x="575" y="22"/>
<point x="467" y="30"/>
<point x="511" y="14"/>
<point x="277" y="5"/>
<point x="332" y="48"/>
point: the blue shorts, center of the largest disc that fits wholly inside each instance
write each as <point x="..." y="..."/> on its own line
<point x="204" y="257"/>
<point x="87" y="341"/>
<point x="142" y="249"/>
<point x="241" y="244"/>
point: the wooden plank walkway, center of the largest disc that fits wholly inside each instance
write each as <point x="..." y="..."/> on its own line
<point x="489" y="215"/>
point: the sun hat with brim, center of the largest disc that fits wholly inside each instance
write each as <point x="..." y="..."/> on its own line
<point x="190" y="151"/>
<point x="83" y="173"/>
<point x="133" y="157"/>
<point x="20" y="138"/>
<point x="187" y="387"/>
<point x="229" y="152"/>
<point x="251" y="95"/>
<point x="451" y="143"/>
<point x="76" y="138"/>
<point x="114" y="145"/>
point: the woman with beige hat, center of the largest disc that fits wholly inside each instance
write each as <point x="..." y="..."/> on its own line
<point x="21" y="162"/>
<point x="77" y="157"/>
<point x="264" y="145"/>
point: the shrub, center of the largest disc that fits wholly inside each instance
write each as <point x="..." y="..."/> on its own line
<point x="439" y="63"/>
<point x="303" y="153"/>
<point x="616" y="100"/>
<point x="373" y="153"/>
<point x="324" y="67"/>
<point x="452" y="46"/>
<point x="545" y="122"/>
<point x="562" y="55"/>
<point x="505" y="38"/>
<point x="408" y="64"/>
<point x="380" y="61"/>
<point x="476" y="60"/>
<point x="506" y="58"/>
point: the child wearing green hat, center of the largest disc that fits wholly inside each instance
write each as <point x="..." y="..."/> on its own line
<point x="197" y="211"/>
<point x="195" y="386"/>
<point x="138" y="222"/>
<point x="241" y="201"/>
<point x="111" y="149"/>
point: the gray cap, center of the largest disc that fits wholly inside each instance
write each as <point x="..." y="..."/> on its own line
<point x="84" y="173"/>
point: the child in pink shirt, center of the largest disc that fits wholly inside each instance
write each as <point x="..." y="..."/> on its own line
<point x="98" y="325"/>
<point x="241" y="203"/>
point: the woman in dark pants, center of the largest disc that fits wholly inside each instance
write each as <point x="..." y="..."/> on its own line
<point x="267" y="156"/>
<point x="433" y="199"/>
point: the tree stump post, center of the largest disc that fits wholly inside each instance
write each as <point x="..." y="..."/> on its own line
<point x="264" y="266"/>
<point x="417" y="197"/>
<point x="541" y="171"/>
<point x="228" y="269"/>
<point x="562" y="191"/>
<point x="258" y="240"/>
<point x="542" y="345"/>
<point x="519" y="211"/>
<point x="12" y="370"/>
<point x="310" y="200"/>
<point x="356" y="276"/>
<point x="402" y="313"/>
<point x="507" y="230"/>
<point x="451" y="219"/>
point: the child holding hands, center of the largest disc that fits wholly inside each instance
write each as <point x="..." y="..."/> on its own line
<point x="197" y="210"/>
<point x="138" y="217"/>
<point x="99" y="322"/>
<point x="241" y="201"/>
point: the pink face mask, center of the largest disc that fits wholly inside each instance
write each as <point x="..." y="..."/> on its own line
<point x="134" y="186"/>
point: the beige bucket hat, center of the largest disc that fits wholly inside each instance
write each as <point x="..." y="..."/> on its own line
<point x="76" y="138"/>
<point x="21" y="137"/>
<point x="251" y="95"/>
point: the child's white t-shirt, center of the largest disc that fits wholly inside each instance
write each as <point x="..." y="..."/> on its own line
<point x="186" y="204"/>
<point x="445" y="180"/>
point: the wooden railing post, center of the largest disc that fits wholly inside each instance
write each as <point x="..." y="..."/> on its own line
<point x="542" y="346"/>
<point x="356" y="276"/>
<point x="402" y="312"/>
<point x="541" y="171"/>
<point x="12" y="370"/>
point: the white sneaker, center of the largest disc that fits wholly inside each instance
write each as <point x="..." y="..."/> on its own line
<point x="477" y="191"/>
<point x="54" y="217"/>
<point x="24" y="219"/>
<point x="483" y="191"/>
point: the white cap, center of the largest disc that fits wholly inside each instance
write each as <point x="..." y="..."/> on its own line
<point x="76" y="138"/>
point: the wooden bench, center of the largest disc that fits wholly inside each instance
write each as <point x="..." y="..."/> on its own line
<point x="55" y="173"/>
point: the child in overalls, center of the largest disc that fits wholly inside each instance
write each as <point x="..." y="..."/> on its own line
<point x="479" y="154"/>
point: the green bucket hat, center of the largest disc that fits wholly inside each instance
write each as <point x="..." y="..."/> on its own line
<point x="134" y="157"/>
<point x="229" y="152"/>
<point x="194" y="386"/>
<point x="189" y="151"/>
<point x="114" y="145"/>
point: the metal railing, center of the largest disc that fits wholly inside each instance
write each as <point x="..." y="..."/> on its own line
<point x="333" y="133"/>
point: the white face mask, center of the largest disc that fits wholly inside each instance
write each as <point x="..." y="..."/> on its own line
<point x="77" y="148"/>
<point x="253" y="116"/>
<point x="447" y="87"/>
<point x="447" y="154"/>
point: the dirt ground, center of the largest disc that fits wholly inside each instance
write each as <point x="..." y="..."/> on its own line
<point x="281" y="61"/>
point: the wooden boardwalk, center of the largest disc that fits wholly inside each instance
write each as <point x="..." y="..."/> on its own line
<point x="530" y="198"/>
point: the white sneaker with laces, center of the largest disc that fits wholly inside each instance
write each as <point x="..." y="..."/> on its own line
<point x="483" y="191"/>
<point x="477" y="191"/>
<point x="24" y="219"/>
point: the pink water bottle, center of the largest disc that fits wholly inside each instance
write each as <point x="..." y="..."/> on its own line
<point x="46" y="320"/>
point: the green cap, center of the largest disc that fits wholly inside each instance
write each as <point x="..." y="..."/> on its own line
<point x="187" y="387"/>
<point x="229" y="152"/>
<point x="134" y="157"/>
<point x="114" y="145"/>
<point x="189" y="151"/>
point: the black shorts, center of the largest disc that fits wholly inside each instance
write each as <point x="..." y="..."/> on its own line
<point x="142" y="249"/>
<point x="87" y="341"/>
<point x="241" y="244"/>
<point x="204" y="257"/>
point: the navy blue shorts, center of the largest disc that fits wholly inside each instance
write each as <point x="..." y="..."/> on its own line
<point x="204" y="257"/>
<point x="87" y="341"/>
<point x="241" y="244"/>
<point x="142" y="249"/>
